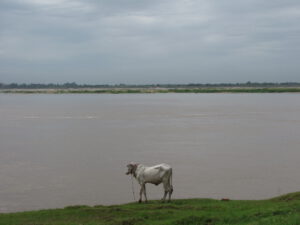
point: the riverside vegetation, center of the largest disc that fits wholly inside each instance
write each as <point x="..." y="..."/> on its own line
<point x="282" y="210"/>
<point x="249" y="87"/>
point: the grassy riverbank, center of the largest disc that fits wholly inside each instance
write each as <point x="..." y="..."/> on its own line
<point x="283" y="210"/>
<point x="154" y="90"/>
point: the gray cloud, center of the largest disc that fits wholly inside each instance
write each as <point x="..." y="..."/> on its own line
<point x="134" y="41"/>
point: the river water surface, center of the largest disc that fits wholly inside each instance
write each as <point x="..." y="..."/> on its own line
<point x="59" y="150"/>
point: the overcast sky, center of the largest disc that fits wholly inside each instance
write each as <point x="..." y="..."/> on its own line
<point x="149" y="41"/>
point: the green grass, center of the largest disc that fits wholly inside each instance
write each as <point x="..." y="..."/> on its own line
<point x="283" y="210"/>
<point x="154" y="90"/>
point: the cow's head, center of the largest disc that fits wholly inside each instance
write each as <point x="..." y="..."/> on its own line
<point x="131" y="168"/>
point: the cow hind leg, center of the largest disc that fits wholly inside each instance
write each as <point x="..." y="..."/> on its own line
<point x="170" y="192"/>
<point x="164" y="197"/>
<point x="166" y="190"/>
<point x="170" y="184"/>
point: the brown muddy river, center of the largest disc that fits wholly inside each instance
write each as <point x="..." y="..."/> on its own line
<point x="59" y="150"/>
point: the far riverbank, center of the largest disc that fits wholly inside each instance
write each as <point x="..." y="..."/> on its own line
<point x="153" y="90"/>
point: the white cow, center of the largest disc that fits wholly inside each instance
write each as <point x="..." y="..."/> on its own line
<point x="161" y="173"/>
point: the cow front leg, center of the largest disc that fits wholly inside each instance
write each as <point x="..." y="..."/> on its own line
<point x="141" y="193"/>
<point x="144" y="188"/>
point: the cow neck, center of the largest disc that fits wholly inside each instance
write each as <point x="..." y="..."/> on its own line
<point x="134" y="171"/>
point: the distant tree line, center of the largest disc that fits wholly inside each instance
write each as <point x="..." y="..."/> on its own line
<point x="74" y="85"/>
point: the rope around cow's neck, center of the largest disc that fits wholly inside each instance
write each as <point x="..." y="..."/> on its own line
<point x="132" y="187"/>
